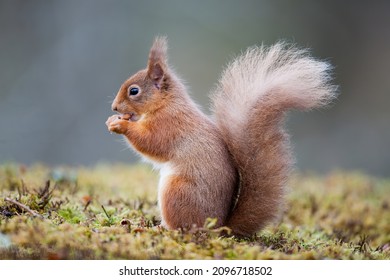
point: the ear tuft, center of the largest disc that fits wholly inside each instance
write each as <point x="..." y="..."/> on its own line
<point x="158" y="52"/>
<point x="157" y="64"/>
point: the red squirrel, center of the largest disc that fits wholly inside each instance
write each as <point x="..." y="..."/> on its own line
<point x="234" y="165"/>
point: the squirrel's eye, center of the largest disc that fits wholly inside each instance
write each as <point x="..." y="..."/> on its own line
<point x="134" y="91"/>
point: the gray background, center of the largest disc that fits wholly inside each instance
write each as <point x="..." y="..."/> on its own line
<point x="61" y="63"/>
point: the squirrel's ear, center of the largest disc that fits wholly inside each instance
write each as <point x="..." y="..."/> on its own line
<point x="156" y="73"/>
<point x="157" y="64"/>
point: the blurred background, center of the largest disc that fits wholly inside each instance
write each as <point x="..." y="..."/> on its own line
<point x="62" y="62"/>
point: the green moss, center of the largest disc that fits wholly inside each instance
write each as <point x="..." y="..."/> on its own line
<point x="110" y="212"/>
<point x="71" y="215"/>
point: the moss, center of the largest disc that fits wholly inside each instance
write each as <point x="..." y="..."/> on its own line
<point x="110" y="212"/>
<point x="71" y="215"/>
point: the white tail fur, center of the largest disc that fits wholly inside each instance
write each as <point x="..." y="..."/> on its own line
<point x="290" y="73"/>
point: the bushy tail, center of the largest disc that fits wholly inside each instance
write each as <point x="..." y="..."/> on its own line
<point x="250" y="102"/>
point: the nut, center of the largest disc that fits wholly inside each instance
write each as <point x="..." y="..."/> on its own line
<point x="126" y="116"/>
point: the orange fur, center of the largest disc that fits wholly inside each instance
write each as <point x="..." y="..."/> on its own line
<point x="234" y="168"/>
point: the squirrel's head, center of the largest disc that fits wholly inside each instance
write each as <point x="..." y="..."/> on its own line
<point x="145" y="91"/>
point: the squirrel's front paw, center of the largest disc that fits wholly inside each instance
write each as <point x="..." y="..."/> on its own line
<point x="116" y="124"/>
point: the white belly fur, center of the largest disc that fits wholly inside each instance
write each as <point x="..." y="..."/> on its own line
<point x="166" y="170"/>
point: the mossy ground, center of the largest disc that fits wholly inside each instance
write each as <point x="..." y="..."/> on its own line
<point x="110" y="212"/>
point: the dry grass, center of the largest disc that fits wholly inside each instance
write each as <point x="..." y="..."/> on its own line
<point x="110" y="212"/>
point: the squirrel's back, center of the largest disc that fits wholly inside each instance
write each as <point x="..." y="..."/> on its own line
<point x="254" y="93"/>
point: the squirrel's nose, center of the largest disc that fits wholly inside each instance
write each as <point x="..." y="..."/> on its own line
<point x="114" y="107"/>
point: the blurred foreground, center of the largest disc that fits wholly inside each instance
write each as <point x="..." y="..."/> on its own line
<point x="110" y="212"/>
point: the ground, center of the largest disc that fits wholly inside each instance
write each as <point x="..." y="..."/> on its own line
<point x="110" y="212"/>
